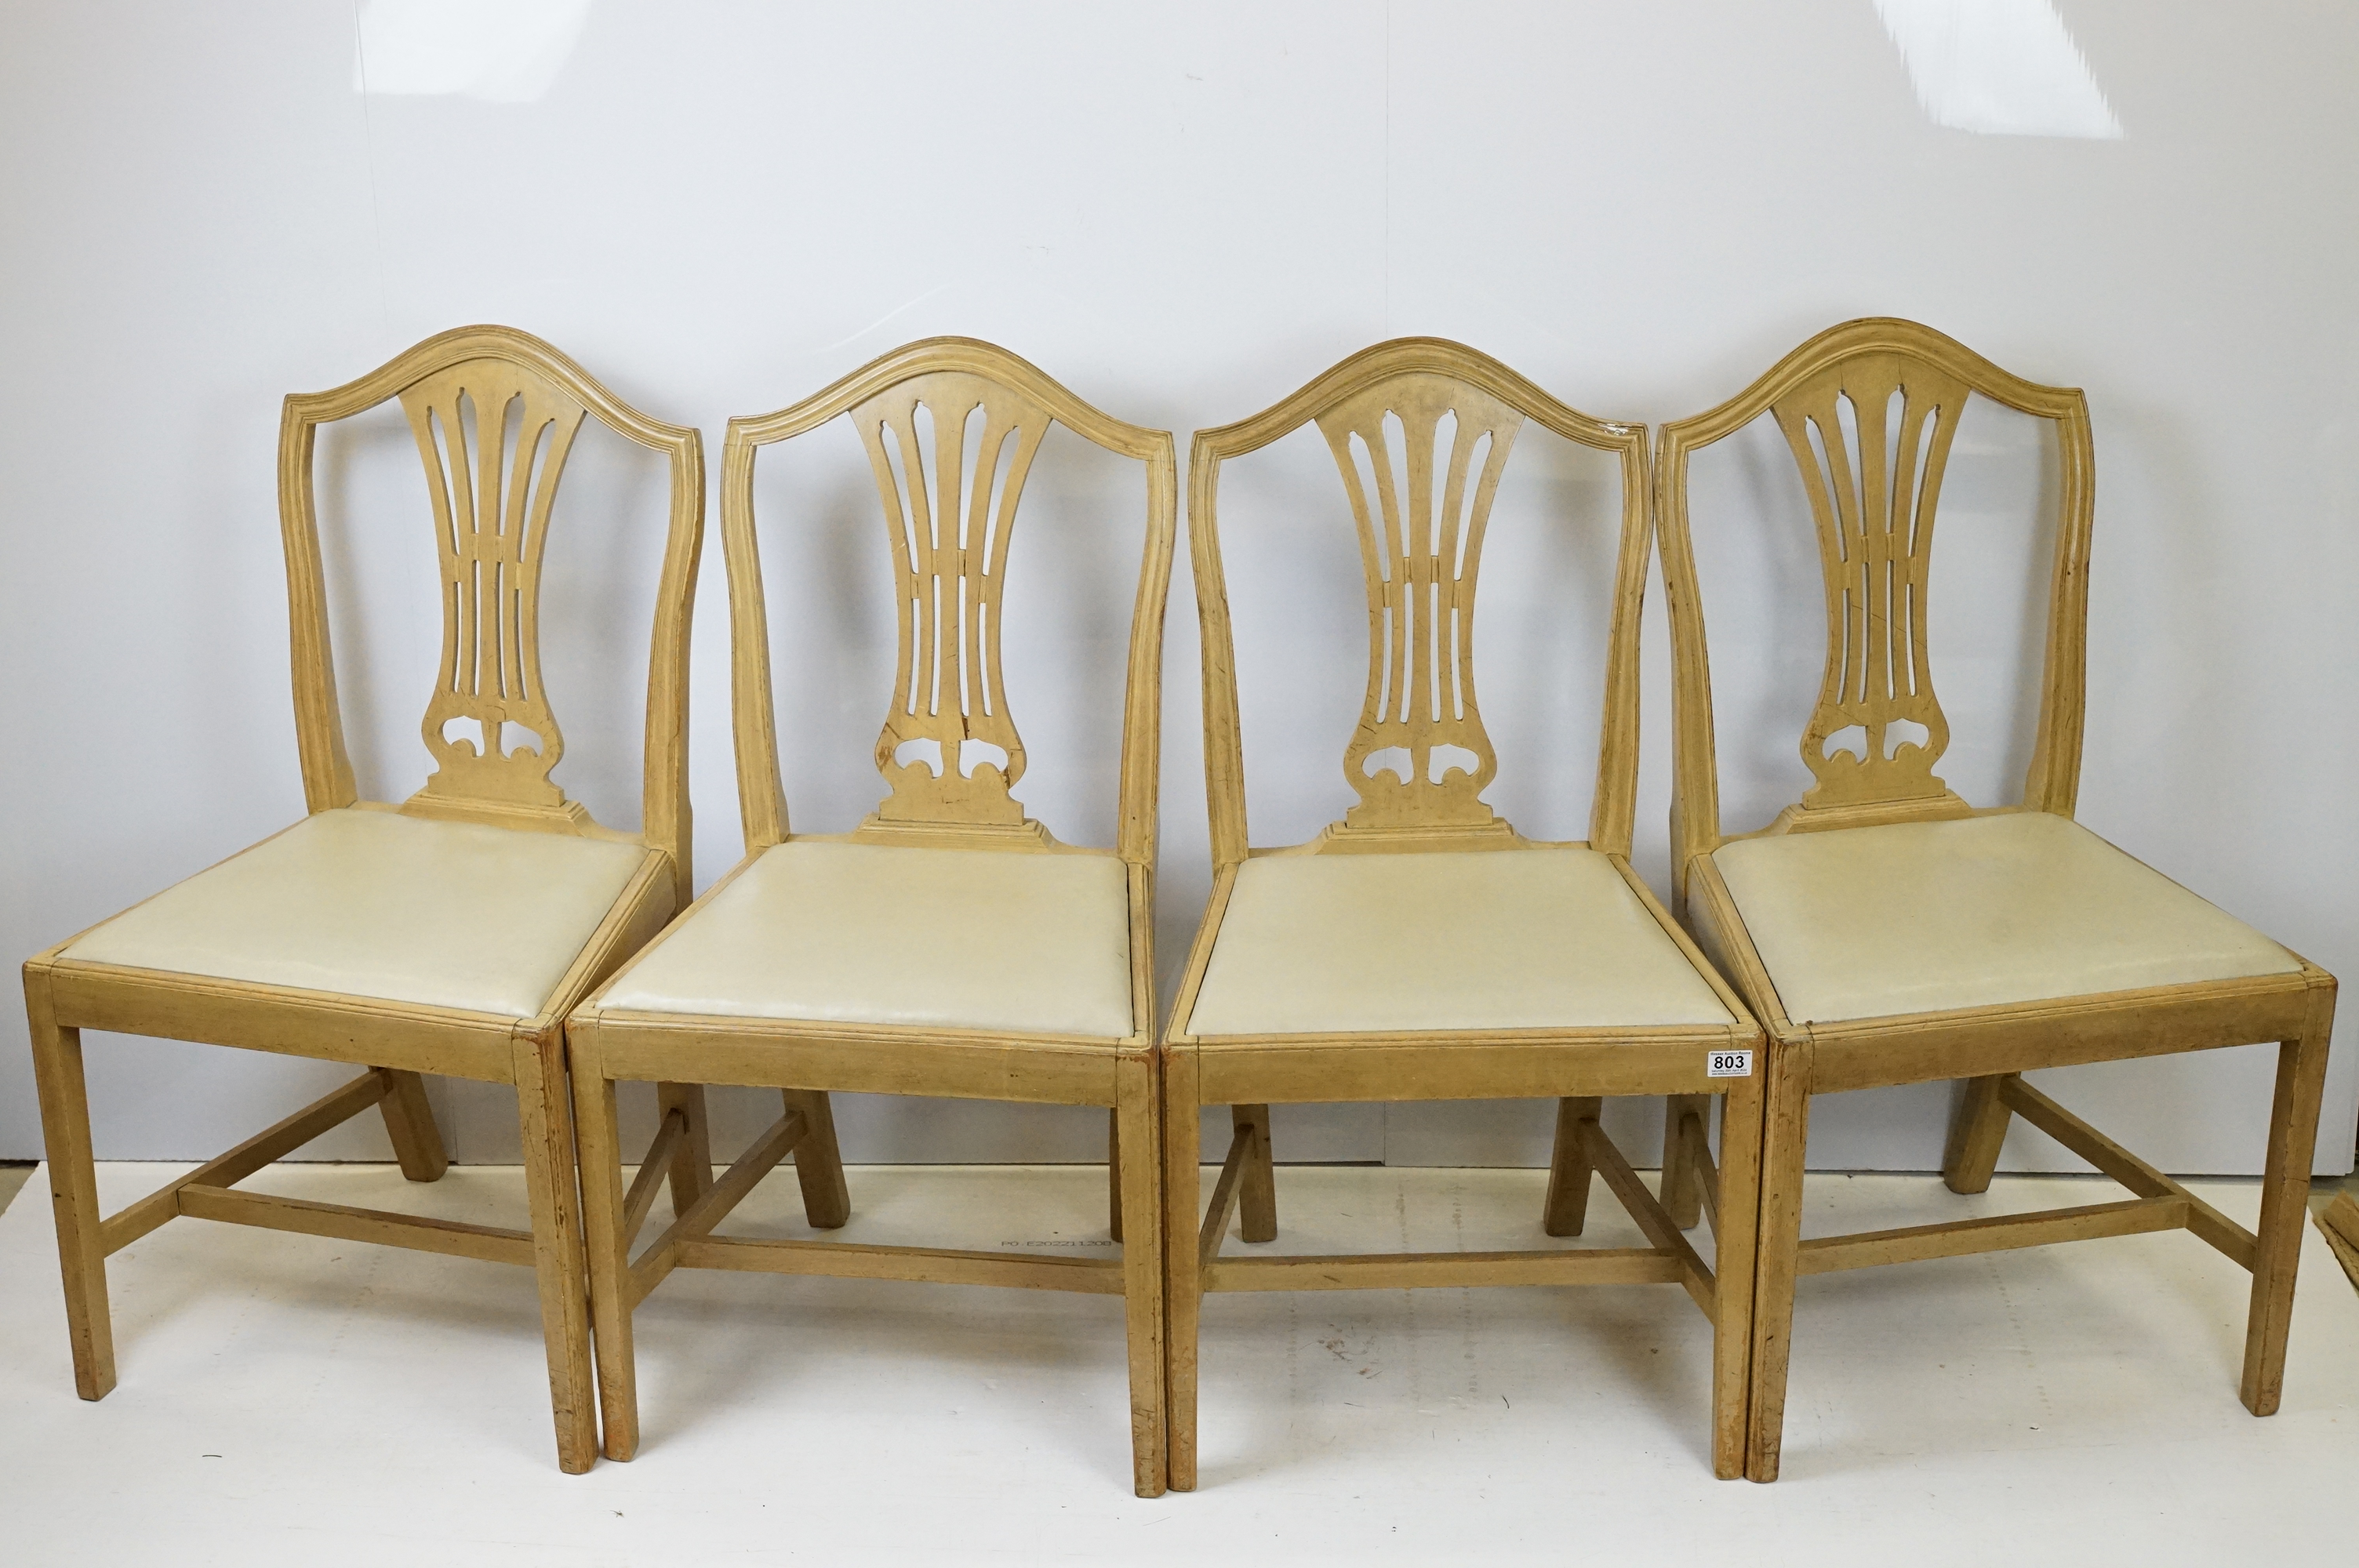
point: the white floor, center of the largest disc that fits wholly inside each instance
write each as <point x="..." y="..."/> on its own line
<point x="291" y="1400"/>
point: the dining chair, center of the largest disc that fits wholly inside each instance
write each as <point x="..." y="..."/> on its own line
<point x="1421" y="948"/>
<point x="948" y="946"/>
<point x="1886" y="931"/>
<point x="449" y="933"/>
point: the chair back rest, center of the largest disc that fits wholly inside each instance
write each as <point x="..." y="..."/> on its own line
<point x="948" y="750"/>
<point x="1869" y="410"/>
<point x="1420" y="429"/>
<point x="495" y="412"/>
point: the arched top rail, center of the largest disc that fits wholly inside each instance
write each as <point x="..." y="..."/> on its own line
<point x="936" y="356"/>
<point x="1415" y="356"/>
<point x="464" y="345"/>
<point x="1856" y="339"/>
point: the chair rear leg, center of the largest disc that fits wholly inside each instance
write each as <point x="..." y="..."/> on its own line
<point x="598" y="1134"/>
<point x="1976" y="1131"/>
<point x="1257" y="1183"/>
<point x="410" y="1122"/>
<point x="73" y="1191"/>
<point x="545" y="1120"/>
<point x="818" y="1163"/>
<point x="1567" y="1210"/>
<point x="1785" y="1140"/>
<point x="692" y="1160"/>
<point x="1142" y="1274"/>
<point x="2284" y="1201"/>
<point x="1685" y="1118"/>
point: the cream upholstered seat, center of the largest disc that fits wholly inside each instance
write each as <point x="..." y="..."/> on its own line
<point x="374" y="903"/>
<point x="1390" y="943"/>
<point x="879" y="934"/>
<point x="1929" y="916"/>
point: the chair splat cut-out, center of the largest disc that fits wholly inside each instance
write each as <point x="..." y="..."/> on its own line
<point x="1420" y="757"/>
<point x="1871" y="435"/>
<point x="951" y="451"/>
<point x="495" y="437"/>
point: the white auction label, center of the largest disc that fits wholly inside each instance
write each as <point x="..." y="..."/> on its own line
<point x="1728" y="1065"/>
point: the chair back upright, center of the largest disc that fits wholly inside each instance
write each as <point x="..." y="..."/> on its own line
<point x="1874" y="481"/>
<point x="495" y="412"/>
<point x="1419" y="758"/>
<point x="948" y="750"/>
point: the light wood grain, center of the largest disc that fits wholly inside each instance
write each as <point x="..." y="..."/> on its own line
<point x="1436" y="1270"/>
<point x="2230" y="1240"/>
<point x="2338" y="1223"/>
<point x="495" y="412"/>
<point x="2001" y="1233"/>
<point x="1565" y="1211"/>
<point x="492" y="1244"/>
<point x="1683" y="1139"/>
<point x="1642" y="1207"/>
<point x="1869" y="410"/>
<point x="73" y="1189"/>
<point x="334" y="1108"/>
<point x="951" y="428"/>
<point x="917" y="1265"/>
<point x="610" y="1222"/>
<point x="409" y="1124"/>
<point x="1221" y="1208"/>
<point x="1421" y="431"/>
<point x="760" y="1158"/>
<point x="2285" y="1195"/>
<point x="1258" y="1188"/>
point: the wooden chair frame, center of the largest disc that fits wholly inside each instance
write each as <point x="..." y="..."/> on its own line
<point x="1989" y="1048"/>
<point x="806" y="1059"/>
<point x="400" y="1041"/>
<point x="1576" y="1066"/>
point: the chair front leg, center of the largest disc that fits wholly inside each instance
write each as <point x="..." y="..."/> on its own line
<point x="1183" y="1190"/>
<point x="1785" y="1138"/>
<point x="2284" y="1201"/>
<point x="1142" y="1272"/>
<point x="818" y="1163"/>
<point x="1257" y="1183"/>
<point x="545" y="1120"/>
<point x="73" y="1189"/>
<point x="598" y="1133"/>
<point x="1736" y="1227"/>
<point x="410" y="1122"/>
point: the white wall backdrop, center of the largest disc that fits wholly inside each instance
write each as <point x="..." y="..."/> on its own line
<point x="1183" y="211"/>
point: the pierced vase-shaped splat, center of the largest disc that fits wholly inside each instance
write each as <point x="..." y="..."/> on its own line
<point x="494" y="437"/>
<point x="1872" y="435"/>
<point x="1421" y="454"/>
<point x="951" y="451"/>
